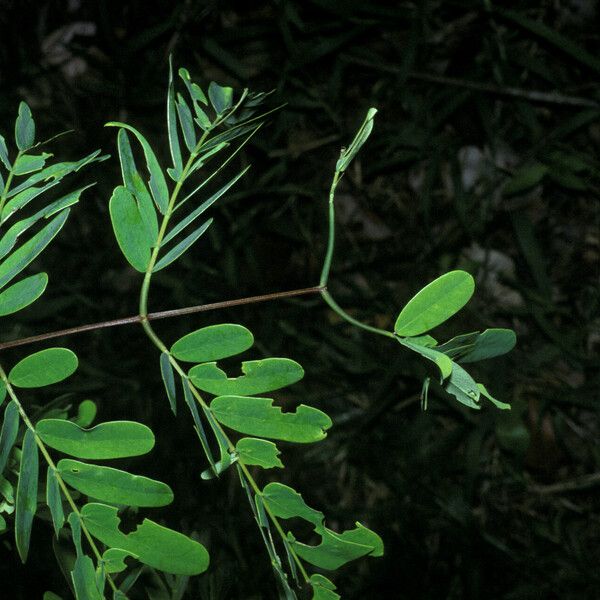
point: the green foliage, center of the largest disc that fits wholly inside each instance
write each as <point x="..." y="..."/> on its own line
<point x="208" y="124"/>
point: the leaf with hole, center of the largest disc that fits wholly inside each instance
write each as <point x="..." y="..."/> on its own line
<point x="130" y="229"/>
<point x="113" y="439"/>
<point x="260" y="453"/>
<point x="322" y="588"/>
<point x="259" y="376"/>
<point x="8" y="433"/>
<point x="22" y="294"/>
<point x="338" y="549"/>
<point x="152" y="544"/>
<point x="26" y="501"/>
<point x="435" y="303"/>
<point x="24" y="128"/>
<point x="286" y="503"/>
<point x="214" y="342"/>
<point x="44" y="368"/>
<point x="258" y="417"/>
<point x="157" y="183"/>
<point x="26" y="253"/>
<point x="114" y="485"/>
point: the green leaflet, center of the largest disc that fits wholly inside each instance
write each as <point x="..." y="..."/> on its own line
<point x="463" y="387"/>
<point x="30" y="163"/>
<point x="187" y="123"/>
<point x="258" y="416"/>
<point x="84" y="579"/>
<point x="496" y="403"/>
<point x="157" y="183"/>
<point x="259" y="376"/>
<point x="22" y="294"/>
<point x="23" y="198"/>
<point x="443" y="363"/>
<point x="54" y="501"/>
<point x="113" y="439"/>
<point x="130" y="229"/>
<point x="490" y="343"/>
<point x="220" y="97"/>
<point x="153" y="544"/>
<point x="135" y="184"/>
<point x="4" y="153"/>
<point x="323" y="589"/>
<point x="458" y="345"/>
<point x="114" y="560"/>
<point x="261" y="453"/>
<point x="23" y="255"/>
<point x="359" y="139"/>
<point x="214" y="342"/>
<point x="2" y="394"/>
<point x="286" y="503"/>
<point x="24" y="128"/>
<point x="172" y="127"/>
<point x="9" y="239"/>
<point x="114" y="485"/>
<point x="337" y="549"/>
<point x="8" y="434"/>
<point x="435" y="303"/>
<point x="44" y="368"/>
<point x="202" y="208"/>
<point x="86" y="413"/>
<point x="174" y="253"/>
<point x="26" y="502"/>
<point x="168" y="377"/>
<point x="525" y="178"/>
<point x="196" y="93"/>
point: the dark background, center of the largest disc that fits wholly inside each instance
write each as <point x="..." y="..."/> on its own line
<point x="470" y="504"/>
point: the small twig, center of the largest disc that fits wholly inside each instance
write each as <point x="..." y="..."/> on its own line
<point x="164" y="314"/>
<point x="531" y="95"/>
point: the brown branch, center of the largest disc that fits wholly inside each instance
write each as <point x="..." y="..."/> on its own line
<point x="164" y="314"/>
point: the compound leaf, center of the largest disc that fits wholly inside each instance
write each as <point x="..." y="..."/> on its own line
<point x="113" y="439"/>
<point x="435" y="303"/>
<point x="130" y="229"/>
<point x="26" y="502"/>
<point x="152" y="544"/>
<point x="258" y="416"/>
<point x="114" y="485"/>
<point x="259" y="376"/>
<point x="214" y="342"/>
<point x="44" y="368"/>
<point x="22" y="294"/>
<point x="261" y="453"/>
